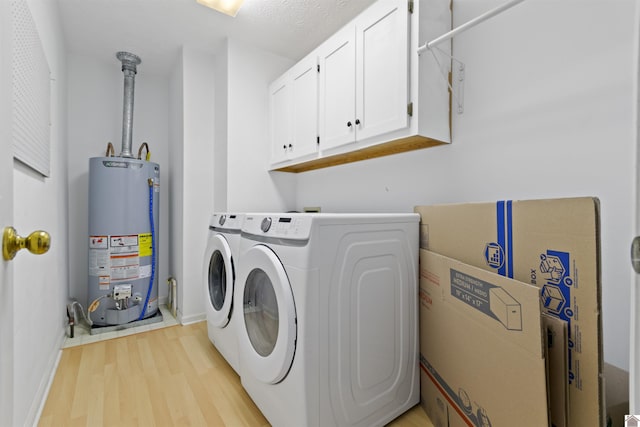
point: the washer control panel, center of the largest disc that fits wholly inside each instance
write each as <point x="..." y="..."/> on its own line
<point x="291" y="226"/>
<point x="226" y="222"/>
<point x="265" y="225"/>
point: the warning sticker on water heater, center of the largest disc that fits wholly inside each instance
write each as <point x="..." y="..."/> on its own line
<point x="125" y="266"/>
<point x="121" y="244"/>
<point x="104" y="282"/>
<point x="98" y="262"/>
<point x="146" y="247"/>
<point x="113" y="258"/>
<point x="98" y="242"/>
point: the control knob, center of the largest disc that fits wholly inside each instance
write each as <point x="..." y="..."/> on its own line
<point x="266" y="224"/>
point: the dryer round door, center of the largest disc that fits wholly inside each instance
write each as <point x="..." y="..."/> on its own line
<point x="218" y="279"/>
<point x="268" y="332"/>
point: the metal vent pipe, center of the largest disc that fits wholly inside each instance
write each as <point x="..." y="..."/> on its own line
<point x="129" y="63"/>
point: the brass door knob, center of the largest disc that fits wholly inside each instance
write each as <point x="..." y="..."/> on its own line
<point x="37" y="242"/>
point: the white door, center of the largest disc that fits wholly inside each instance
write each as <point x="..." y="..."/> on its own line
<point x="634" y="368"/>
<point x="219" y="277"/>
<point x="268" y="321"/>
<point x="382" y="67"/>
<point x="634" y="361"/>
<point x="304" y="103"/>
<point x="337" y="59"/>
<point x="280" y="118"/>
<point x="20" y="369"/>
<point x="7" y="381"/>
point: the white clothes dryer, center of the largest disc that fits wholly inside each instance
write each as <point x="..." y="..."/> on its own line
<point x="328" y="326"/>
<point x="219" y="274"/>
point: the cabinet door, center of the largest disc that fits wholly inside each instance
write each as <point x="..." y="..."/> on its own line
<point x="382" y="68"/>
<point x="337" y="89"/>
<point x="279" y="93"/>
<point x="304" y="108"/>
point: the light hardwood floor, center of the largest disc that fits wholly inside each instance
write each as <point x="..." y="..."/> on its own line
<point x="166" y="377"/>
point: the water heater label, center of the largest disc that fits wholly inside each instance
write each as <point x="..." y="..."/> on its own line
<point x="121" y="244"/>
<point x="112" y="164"/>
<point x="98" y="262"/>
<point x="115" y="258"/>
<point x="98" y="242"/>
<point x="145" y="271"/>
<point x="146" y="248"/>
<point x="125" y="266"/>
<point x="104" y="282"/>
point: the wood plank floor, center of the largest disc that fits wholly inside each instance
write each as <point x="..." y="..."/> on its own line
<point x="165" y="377"/>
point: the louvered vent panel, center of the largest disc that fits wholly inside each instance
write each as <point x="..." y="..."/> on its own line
<point x="31" y="92"/>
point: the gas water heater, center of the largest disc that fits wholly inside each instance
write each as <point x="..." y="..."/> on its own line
<point x="123" y="224"/>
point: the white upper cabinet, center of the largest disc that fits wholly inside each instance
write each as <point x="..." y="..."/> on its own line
<point x="280" y="126"/>
<point x="304" y="101"/>
<point x="337" y="59"/>
<point x="382" y="69"/>
<point x="373" y="96"/>
<point x="294" y="112"/>
<point x="363" y="76"/>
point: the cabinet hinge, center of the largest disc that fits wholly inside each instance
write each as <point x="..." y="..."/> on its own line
<point x="318" y="67"/>
<point x="318" y="140"/>
<point x="635" y="254"/>
<point x="410" y="109"/>
<point x="410" y="6"/>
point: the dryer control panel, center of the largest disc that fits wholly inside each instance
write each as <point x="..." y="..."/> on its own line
<point x="292" y="226"/>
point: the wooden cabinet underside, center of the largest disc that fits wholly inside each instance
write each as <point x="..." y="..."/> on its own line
<point x="378" y="150"/>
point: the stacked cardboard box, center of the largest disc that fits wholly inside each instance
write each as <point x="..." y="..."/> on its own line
<point x="551" y="246"/>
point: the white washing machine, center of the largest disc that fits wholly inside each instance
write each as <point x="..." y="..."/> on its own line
<point x="328" y="332"/>
<point x="220" y="269"/>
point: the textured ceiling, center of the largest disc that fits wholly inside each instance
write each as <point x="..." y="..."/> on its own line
<point x="156" y="29"/>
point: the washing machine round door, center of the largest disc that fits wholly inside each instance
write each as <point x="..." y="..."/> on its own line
<point x="269" y="316"/>
<point x="218" y="279"/>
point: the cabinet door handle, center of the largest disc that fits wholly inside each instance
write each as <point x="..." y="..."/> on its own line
<point x="348" y="124"/>
<point x="357" y="121"/>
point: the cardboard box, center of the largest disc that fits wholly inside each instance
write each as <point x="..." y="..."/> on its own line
<point x="475" y="369"/>
<point x="505" y="308"/>
<point x="552" y="244"/>
<point x="557" y="370"/>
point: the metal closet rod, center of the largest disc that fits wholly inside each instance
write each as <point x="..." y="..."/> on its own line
<point x="469" y="24"/>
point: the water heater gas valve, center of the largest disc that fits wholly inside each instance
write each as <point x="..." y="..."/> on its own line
<point x="121" y="292"/>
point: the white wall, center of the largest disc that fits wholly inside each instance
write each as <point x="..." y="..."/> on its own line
<point x="218" y="160"/>
<point x="220" y="156"/>
<point x="548" y="113"/>
<point x="41" y="282"/>
<point x="175" y="177"/>
<point x="192" y="87"/>
<point x="94" y="118"/>
<point x="249" y="186"/>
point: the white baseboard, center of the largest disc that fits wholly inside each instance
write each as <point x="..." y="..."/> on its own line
<point x="163" y="300"/>
<point x="40" y="399"/>
<point x="194" y="318"/>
